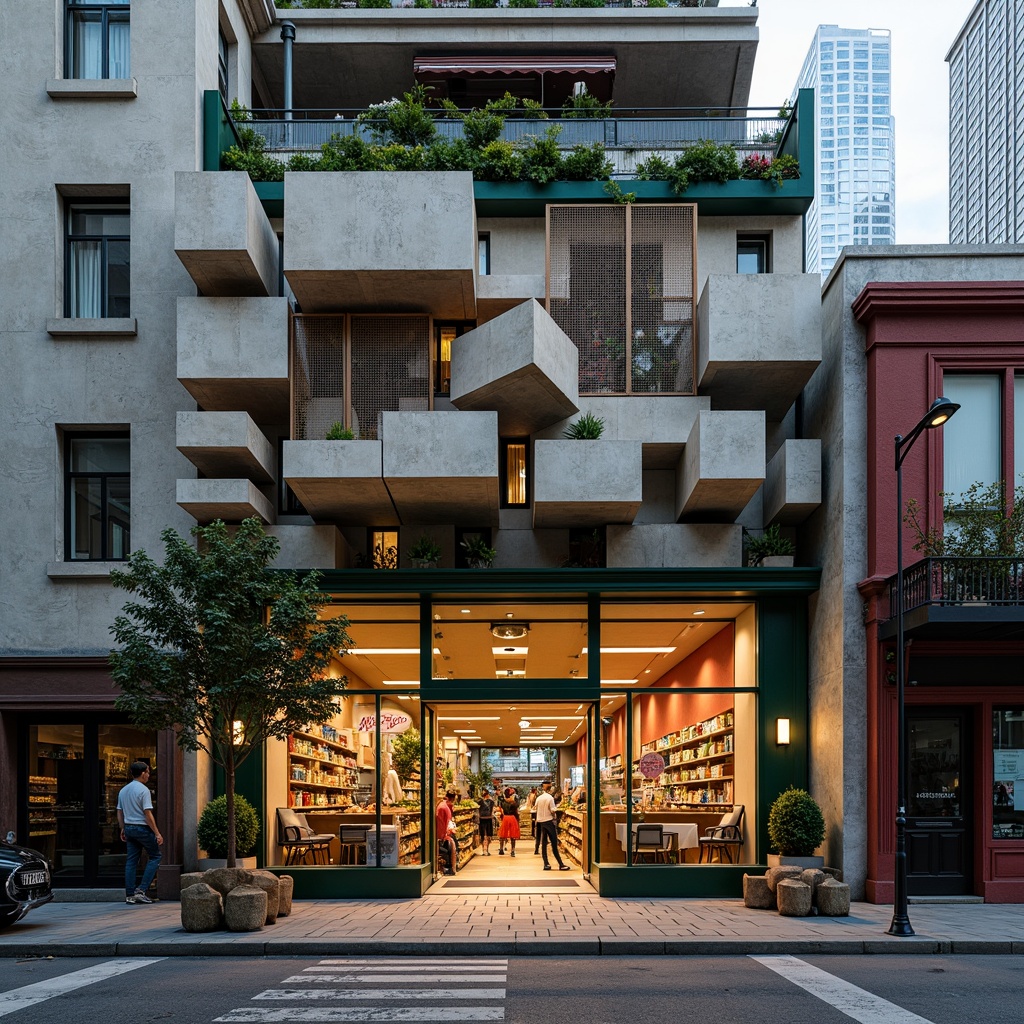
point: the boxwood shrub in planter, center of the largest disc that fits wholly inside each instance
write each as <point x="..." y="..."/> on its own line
<point x="796" y="828"/>
<point x="212" y="830"/>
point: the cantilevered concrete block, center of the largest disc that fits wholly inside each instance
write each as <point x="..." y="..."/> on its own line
<point x="339" y="481"/>
<point x="383" y="241"/>
<point x="674" y="545"/>
<point x="792" y="486"/>
<point x="310" y="547"/>
<point x="522" y="365"/>
<point x="222" y="235"/>
<point x="586" y="483"/>
<point x="233" y="354"/>
<point x="225" y="444"/>
<point x="230" y="500"/>
<point x="722" y="466"/>
<point x="442" y="467"/>
<point x="759" y="339"/>
<point x="498" y="293"/>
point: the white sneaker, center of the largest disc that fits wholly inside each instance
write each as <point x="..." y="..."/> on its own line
<point x="140" y="897"/>
<point x="129" y="899"/>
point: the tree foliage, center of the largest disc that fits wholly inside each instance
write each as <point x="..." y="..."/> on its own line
<point x="223" y="651"/>
<point x="976" y="524"/>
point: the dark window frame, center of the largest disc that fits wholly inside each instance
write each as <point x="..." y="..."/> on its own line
<point x="483" y="259"/>
<point x="759" y="245"/>
<point x="98" y="205"/>
<point x="71" y="475"/>
<point x="460" y="327"/>
<point x="503" y="446"/>
<point x="72" y="8"/>
<point x="223" y="76"/>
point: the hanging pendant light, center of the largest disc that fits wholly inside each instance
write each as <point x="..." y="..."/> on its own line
<point x="509" y="630"/>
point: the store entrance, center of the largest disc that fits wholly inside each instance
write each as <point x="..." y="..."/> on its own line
<point x="939" y="833"/>
<point x="510" y="750"/>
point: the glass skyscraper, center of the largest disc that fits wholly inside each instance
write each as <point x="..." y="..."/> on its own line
<point x="855" y="179"/>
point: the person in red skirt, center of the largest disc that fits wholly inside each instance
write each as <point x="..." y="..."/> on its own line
<point x="509" y="820"/>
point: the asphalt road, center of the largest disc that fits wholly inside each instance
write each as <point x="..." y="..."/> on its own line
<point x="596" y="990"/>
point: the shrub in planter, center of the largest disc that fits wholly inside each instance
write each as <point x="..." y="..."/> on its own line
<point x="587" y="428"/>
<point x="212" y="830"/>
<point x="796" y="827"/>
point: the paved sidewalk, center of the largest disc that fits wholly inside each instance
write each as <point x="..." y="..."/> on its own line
<point x="515" y="924"/>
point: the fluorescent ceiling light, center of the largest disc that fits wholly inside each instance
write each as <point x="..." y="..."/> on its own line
<point x="509" y="652"/>
<point x="470" y="731"/>
<point x="401" y="682"/>
<point x="698" y="611"/>
<point x="466" y="611"/>
<point x="476" y="718"/>
<point x="618" y="682"/>
<point x="385" y="650"/>
<point x="635" y="650"/>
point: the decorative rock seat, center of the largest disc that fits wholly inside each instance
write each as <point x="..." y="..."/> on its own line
<point x="202" y="908"/>
<point x="245" y="909"/>
<point x="833" y="898"/>
<point x="793" y="897"/>
<point x="756" y="894"/>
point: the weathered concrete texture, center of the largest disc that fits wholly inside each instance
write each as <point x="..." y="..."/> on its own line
<point x="287" y="883"/>
<point x="759" y="339"/>
<point x="233" y="354"/>
<point x="340" y="481"/>
<point x="586" y="483"/>
<point x="245" y="909"/>
<point x="522" y="365"/>
<point x="202" y="908"/>
<point x="311" y="547"/>
<point x="268" y="882"/>
<point x="442" y="467"/>
<point x="498" y="293"/>
<point x="777" y="874"/>
<point x="792" y="485"/>
<point x="223" y="444"/>
<point x="231" y="500"/>
<point x="722" y="466"/>
<point x="659" y="545"/>
<point x="792" y="896"/>
<point x="756" y="894"/>
<point x="832" y="898"/>
<point x="221" y="234"/>
<point x="399" y="242"/>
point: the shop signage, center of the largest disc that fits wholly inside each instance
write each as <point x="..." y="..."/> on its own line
<point x="392" y="720"/>
<point x="651" y="765"/>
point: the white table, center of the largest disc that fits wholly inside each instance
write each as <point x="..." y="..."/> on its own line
<point x="685" y="833"/>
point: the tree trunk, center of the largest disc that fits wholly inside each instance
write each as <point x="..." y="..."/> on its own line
<point x="229" y="791"/>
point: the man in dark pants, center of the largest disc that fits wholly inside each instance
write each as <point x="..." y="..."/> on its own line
<point x="139" y="831"/>
<point x="547" y="828"/>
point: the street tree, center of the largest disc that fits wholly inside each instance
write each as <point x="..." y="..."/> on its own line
<point x="223" y="650"/>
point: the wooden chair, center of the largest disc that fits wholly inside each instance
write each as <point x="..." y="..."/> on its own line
<point x="650" y="842"/>
<point x="319" y="842"/>
<point x="353" y="842"/>
<point x="291" y="837"/>
<point x="724" y="837"/>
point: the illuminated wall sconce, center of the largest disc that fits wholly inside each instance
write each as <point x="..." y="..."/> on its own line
<point x="782" y="732"/>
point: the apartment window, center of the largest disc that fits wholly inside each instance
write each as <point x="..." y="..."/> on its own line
<point x="444" y="335"/>
<point x="383" y="549"/>
<point x="514" y="472"/>
<point x="971" y="442"/>
<point x="483" y="254"/>
<point x="97" y="261"/>
<point x="97" y="490"/>
<point x="222" y="65"/>
<point x="98" y="44"/>
<point x="752" y="254"/>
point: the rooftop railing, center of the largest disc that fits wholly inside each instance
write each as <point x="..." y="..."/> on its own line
<point x="958" y="581"/>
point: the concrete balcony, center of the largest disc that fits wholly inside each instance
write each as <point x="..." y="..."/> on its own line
<point x="683" y="545"/>
<point x="522" y="366"/>
<point x="230" y="500"/>
<point x="225" y="444"/>
<point x="442" y="467"/>
<point x="399" y="242"/>
<point x="586" y="483"/>
<point x="233" y="355"/>
<point x="340" y="481"/>
<point x="792" y="486"/>
<point x="498" y="293"/>
<point x="759" y="339"/>
<point x="221" y="234"/>
<point x="722" y="466"/>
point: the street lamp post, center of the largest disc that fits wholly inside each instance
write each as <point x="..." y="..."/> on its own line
<point x="939" y="411"/>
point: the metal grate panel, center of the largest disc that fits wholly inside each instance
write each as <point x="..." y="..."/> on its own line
<point x="318" y="375"/>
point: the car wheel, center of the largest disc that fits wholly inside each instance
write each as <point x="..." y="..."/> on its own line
<point x="9" y="917"/>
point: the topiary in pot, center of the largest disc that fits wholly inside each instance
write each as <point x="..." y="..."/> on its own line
<point x="212" y="830"/>
<point x="796" y="826"/>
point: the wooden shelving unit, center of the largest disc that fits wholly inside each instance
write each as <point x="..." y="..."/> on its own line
<point x="572" y="836"/>
<point x="466" y="832"/>
<point x="322" y="771"/>
<point x="700" y="765"/>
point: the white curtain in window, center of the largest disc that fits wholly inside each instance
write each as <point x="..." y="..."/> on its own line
<point x="971" y="440"/>
<point x="86" y="285"/>
<point x="1018" y="432"/>
<point x="88" y="47"/>
<point x="120" y="38"/>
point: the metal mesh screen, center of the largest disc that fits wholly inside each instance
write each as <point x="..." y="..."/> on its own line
<point x="621" y="282"/>
<point x="318" y="375"/>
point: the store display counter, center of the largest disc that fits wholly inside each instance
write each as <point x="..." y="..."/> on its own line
<point x="613" y="830"/>
<point x="406" y="820"/>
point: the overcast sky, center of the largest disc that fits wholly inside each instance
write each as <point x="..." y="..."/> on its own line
<point x="922" y="33"/>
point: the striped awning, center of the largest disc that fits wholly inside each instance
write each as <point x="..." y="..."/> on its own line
<point x="513" y="65"/>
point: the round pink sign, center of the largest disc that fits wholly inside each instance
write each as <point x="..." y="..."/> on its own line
<point x="651" y="765"/>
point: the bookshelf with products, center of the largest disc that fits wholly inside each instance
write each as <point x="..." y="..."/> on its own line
<point x="322" y="767"/>
<point x="42" y="815"/>
<point x="466" y="831"/>
<point x="699" y="765"/>
<point x="572" y="836"/>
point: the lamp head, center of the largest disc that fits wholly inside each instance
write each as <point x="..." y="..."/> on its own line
<point x="939" y="411"/>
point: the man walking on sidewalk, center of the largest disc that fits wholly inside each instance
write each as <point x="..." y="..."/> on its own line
<point x="546" y="827"/>
<point x="139" y="831"/>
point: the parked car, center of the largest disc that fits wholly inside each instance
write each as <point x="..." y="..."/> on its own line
<point x="24" y="881"/>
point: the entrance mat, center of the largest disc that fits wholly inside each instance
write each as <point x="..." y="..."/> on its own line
<point x="506" y="883"/>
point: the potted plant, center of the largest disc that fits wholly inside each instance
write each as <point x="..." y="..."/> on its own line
<point x="770" y="549"/>
<point x="339" y="432"/>
<point x="479" y="554"/>
<point x="212" y="833"/>
<point x="424" y="553"/>
<point x="406" y="751"/>
<point x="587" y="428"/>
<point x="796" y="828"/>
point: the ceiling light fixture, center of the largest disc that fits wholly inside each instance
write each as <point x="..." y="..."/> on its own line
<point x="385" y="650"/>
<point x="635" y="650"/>
<point x="510" y="630"/>
<point x="618" y="682"/>
<point x="698" y="611"/>
<point x="524" y="723"/>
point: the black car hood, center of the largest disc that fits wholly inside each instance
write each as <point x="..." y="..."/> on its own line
<point x="14" y="856"/>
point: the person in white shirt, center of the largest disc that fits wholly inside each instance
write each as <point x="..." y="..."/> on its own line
<point x="139" y="831"/>
<point x="547" y="828"/>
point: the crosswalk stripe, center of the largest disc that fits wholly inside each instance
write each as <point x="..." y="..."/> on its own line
<point x="253" y="1015"/>
<point x="326" y="967"/>
<point x="373" y="979"/>
<point x="383" y="993"/>
<point x="40" y="991"/>
<point x="431" y="960"/>
<point x="858" y="1003"/>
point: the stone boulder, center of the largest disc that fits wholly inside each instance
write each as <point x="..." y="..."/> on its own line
<point x="245" y="908"/>
<point x="268" y="882"/>
<point x="190" y="878"/>
<point x="284" y="907"/>
<point x="202" y="908"/>
<point x="812" y="877"/>
<point x="793" y="897"/>
<point x="225" y="879"/>
<point x="756" y="893"/>
<point x="833" y="898"/>
<point x="776" y="875"/>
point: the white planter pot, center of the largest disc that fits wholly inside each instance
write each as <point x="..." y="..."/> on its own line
<point x="777" y="561"/>
<point x="778" y="860"/>
<point x="209" y="863"/>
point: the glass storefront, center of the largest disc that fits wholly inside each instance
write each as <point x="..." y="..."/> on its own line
<point x="1008" y="772"/>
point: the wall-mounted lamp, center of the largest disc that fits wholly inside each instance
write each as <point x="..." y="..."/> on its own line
<point x="782" y="732"/>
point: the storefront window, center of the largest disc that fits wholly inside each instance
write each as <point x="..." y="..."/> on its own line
<point x="1008" y="772"/>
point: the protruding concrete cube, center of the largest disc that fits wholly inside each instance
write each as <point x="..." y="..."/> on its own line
<point x="340" y="481"/>
<point x="833" y="898"/>
<point x="722" y="466"/>
<point x="225" y="444"/>
<point x="245" y="909"/>
<point x="207" y="499"/>
<point x="756" y="894"/>
<point x="311" y="547"/>
<point x="398" y="242"/>
<point x="442" y="467"/>
<point x="233" y="354"/>
<point x="586" y="483"/>
<point x="222" y="235"/>
<point x="498" y="293"/>
<point x="792" y="485"/>
<point x="648" y="545"/>
<point x="759" y="339"/>
<point x="522" y="365"/>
